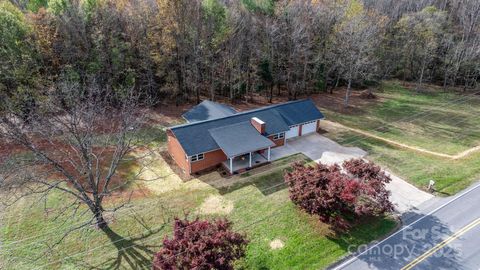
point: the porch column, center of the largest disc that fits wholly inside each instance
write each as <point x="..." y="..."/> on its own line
<point x="231" y="165"/>
<point x="268" y="156"/>
<point x="250" y="161"/>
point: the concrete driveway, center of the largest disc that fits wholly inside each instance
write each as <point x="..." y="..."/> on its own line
<point x="318" y="148"/>
<point x="321" y="149"/>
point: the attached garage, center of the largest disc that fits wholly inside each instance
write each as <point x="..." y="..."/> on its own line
<point x="309" y="127"/>
<point x="292" y="133"/>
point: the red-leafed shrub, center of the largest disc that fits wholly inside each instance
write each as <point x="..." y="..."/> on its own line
<point x="375" y="199"/>
<point x="339" y="197"/>
<point x="200" y="244"/>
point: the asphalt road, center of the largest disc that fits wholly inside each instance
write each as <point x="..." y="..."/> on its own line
<point x="445" y="235"/>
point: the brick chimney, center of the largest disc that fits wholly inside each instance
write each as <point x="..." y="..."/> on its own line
<point x="258" y="125"/>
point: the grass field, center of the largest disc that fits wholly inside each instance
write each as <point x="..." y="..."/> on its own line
<point x="437" y="121"/>
<point x="257" y="202"/>
<point x="259" y="207"/>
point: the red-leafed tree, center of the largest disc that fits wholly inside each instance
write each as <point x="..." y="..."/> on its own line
<point x="375" y="199"/>
<point x="201" y="244"/>
<point x="337" y="197"/>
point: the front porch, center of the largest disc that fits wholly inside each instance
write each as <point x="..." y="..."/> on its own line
<point x="247" y="161"/>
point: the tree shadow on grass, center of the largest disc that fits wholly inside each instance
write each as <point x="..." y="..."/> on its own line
<point x="268" y="179"/>
<point x="268" y="183"/>
<point x="132" y="253"/>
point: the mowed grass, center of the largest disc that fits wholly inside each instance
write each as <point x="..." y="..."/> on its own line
<point x="262" y="210"/>
<point x="435" y="120"/>
<point x="451" y="176"/>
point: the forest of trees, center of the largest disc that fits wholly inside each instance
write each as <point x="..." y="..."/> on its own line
<point x="186" y="50"/>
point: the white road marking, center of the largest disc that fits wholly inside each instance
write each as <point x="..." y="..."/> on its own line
<point x="405" y="227"/>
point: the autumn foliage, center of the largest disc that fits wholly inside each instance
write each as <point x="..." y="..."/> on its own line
<point x="201" y="244"/>
<point x="340" y="197"/>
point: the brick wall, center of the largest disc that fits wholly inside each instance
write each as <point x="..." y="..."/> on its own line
<point x="177" y="153"/>
<point x="278" y="142"/>
<point x="210" y="159"/>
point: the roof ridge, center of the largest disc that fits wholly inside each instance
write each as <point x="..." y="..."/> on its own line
<point x="235" y="124"/>
<point x="240" y="113"/>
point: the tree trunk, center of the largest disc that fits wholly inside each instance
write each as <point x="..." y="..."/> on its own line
<point x="197" y="93"/>
<point x="335" y="85"/>
<point x="101" y="223"/>
<point x="288" y="86"/>
<point x="271" y="93"/>
<point x="445" y="79"/>
<point x="347" y="95"/>
<point x="454" y="79"/>
<point x="212" y="89"/>
<point x="420" y="81"/>
<point x="249" y="85"/>
<point x="197" y="83"/>
<point x="179" y="74"/>
<point x="305" y="66"/>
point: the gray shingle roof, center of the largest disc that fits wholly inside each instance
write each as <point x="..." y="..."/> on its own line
<point x="239" y="139"/>
<point x="207" y="110"/>
<point x="195" y="137"/>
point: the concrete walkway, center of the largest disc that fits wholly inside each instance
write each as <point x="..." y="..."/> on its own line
<point x="321" y="149"/>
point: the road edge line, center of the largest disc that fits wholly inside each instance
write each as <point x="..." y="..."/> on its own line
<point x="342" y="265"/>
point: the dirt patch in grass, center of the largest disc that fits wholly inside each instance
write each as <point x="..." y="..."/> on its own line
<point x="167" y="114"/>
<point x="68" y="158"/>
<point x="277" y="244"/>
<point x="9" y="149"/>
<point x="216" y="204"/>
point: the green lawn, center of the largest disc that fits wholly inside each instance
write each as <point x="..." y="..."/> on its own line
<point x="436" y="120"/>
<point x="451" y="176"/>
<point x="261" y="209"/>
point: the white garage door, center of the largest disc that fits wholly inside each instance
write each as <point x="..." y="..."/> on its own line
<point x="293" y="132"/>
<point x="309" y="127"/>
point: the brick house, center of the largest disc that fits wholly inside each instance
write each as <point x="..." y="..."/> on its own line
<point x="216" y="134"/>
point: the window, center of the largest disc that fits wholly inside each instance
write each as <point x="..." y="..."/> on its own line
<point x="278" y="136"/>
<point x="197" y="157"/>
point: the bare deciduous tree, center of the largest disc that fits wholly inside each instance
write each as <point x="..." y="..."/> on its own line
<point x="355" y="41"/>
<point x="75" y="145"/>
<point x="421" y="34"/>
